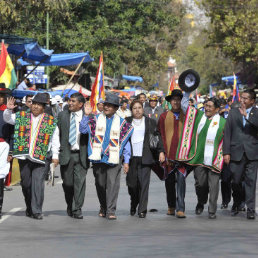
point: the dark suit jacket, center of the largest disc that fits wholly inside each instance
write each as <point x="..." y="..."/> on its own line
<point x="239" y="139"/>
<point x="65" y="147"/>
<point x="150" y="127"/>
<point x="158" y="111"/>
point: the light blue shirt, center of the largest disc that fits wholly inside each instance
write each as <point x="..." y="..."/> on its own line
<point x="247" y="115"/>
<point x="22" y="86"/>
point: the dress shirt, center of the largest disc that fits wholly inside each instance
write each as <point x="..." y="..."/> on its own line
<point x="84" y="128"/>
<point x="247" y="116"/>
<point x="123" y="113"/>
<point x="22" y="86"/>
<point x="78" y="118"/>
<point x="137" y="137"/>
<point x="54" y="143"/>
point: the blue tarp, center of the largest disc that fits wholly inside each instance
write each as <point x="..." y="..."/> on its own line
<point x="132" y="78"/>
<point x="31" y="51"/>
<point x="230" y="79"/>
<point x="21" y="93"/>
<point x="61" y="59"/>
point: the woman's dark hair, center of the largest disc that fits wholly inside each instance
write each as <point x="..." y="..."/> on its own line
<point x="78" y="96"/>
<point x="215" y="101"/>
<point x="134" y="102"/>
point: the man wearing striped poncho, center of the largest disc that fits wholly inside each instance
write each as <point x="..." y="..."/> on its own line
<point x="200" y="145"/>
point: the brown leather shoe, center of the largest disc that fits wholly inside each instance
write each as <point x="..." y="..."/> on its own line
<point x="171" y="211"/>
<point x="180" y="215"/>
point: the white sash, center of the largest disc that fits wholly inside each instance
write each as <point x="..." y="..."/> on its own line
<point x="113" y="142"/>
<point x="210" y="137"/>
<point x="4" y="165"/>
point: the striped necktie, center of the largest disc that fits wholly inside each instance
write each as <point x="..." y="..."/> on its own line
<point x="72" y="131"/>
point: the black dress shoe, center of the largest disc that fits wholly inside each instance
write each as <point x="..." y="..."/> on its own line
<point x="77" y="216"/>
<point x="234" y="210"/>
<point x="132" y="212"/>
<point x="28" y="213"/>
<point x="37" y="216"/>
<point x="142" y="215"/>
<point x="212" y="216"/>
<point x="199" y="209"/>
<point x="224" y="206"/>
<point x="69" y="212"/>
<point x="250" y="214"/>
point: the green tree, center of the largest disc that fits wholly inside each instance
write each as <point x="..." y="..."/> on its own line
<point x="234" y="29"/>
<point x="138" y="33"/>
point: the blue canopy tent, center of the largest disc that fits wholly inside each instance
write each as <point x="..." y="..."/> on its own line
<point x="21" y="93"/>
<point x="230" y="80"/>
<point x="60" y="60"/>
<point x="31" y="51"/>
<point x="132" y="78"/>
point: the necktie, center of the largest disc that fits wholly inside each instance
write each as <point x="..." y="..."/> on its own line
<point x="247" y="115"/>
<point x="72" y="131"/>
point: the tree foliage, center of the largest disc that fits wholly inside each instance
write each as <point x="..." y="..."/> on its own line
<point x="234" y="29"/>
<point x="137" y="33"/>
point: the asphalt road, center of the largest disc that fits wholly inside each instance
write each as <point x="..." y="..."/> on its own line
<point x="159" y="235"/>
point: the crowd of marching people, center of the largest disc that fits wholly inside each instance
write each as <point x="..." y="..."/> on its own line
<point x="217" y="140"/>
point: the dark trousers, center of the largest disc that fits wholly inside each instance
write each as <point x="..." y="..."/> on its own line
<point x="245" y="170"/>
<point x="107" y="181"/>
<point x="226" y="188"/>
<point x="33" y="184"/>
<point x="175" y="189"/>
<point x="138" y="181"/>
<point x="207" y="182"/>
<point x="74" y="183"/>
<point x="1" y="193"/>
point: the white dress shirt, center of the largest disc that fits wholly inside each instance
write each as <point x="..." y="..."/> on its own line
<point x="78" y="118"/>
<point x="123" y="113"/>
<point x="54" y="143"/>
<point x="137" y="137"/>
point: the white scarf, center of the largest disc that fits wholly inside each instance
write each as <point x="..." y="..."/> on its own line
<point x="4" y="165"/>
<point x="113" y="142"/>
<point x="210" y="137"/>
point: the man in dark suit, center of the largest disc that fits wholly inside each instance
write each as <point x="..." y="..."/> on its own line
<point x="153" y="110"/>
<point x="240" y="150"/>
<point x="73" y="155"/>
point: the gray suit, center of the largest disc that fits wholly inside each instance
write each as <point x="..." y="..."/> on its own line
<point x="155" y="116"/>
<point x="241" y="143"/>
<point x="74" y="165"/>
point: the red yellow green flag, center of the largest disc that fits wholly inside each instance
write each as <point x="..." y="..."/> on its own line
<point x="7" y="72"/>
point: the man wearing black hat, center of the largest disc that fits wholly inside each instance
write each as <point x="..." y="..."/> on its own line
<point x="108" y="141"/>
<point x="5" y="138"/>
<point x="35" y="133"/>
<point x="170" y="125"/>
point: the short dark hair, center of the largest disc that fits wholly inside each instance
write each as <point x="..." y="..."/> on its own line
<point x="141" y="94"/>
<point x="223" y="102"/>
<point x="191" y="100"/>
<point x="29" y="96"/>
<point x="134" y="102"/>
<point x="123" y="101"/>
<point x="78" y="96"/>
<point x="215" y="101"/>
<point x="251" y="93"/>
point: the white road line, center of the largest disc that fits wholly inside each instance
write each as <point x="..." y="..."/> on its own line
<point x="10" y="213"/>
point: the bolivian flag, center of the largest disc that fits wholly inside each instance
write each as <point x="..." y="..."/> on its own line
<point x="7" y="72"/>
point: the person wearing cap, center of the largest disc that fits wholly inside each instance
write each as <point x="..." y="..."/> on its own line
<point x="123" y="111"/>
<point x="100" y="106"/>
<point x="35" y="133"/>
<point x="153" y="110"/>
<point x="73" y="156"/>
<point x="170" y="124"/>
<point x="108" y="145"/>
<point x="5" y="139"/>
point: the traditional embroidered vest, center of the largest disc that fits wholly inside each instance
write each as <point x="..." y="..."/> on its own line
<point x="22" y="135"/>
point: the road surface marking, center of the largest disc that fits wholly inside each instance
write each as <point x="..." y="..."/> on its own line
<point x="11" y="212"/>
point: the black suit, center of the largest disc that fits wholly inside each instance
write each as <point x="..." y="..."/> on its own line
<point x="241" y="143"/>
<point x="138" y="177"/>
<point x="74" y="165"/>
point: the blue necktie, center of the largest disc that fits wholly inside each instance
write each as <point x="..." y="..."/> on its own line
<point x="244" y="118"/>
<point x="72" y="131"/>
